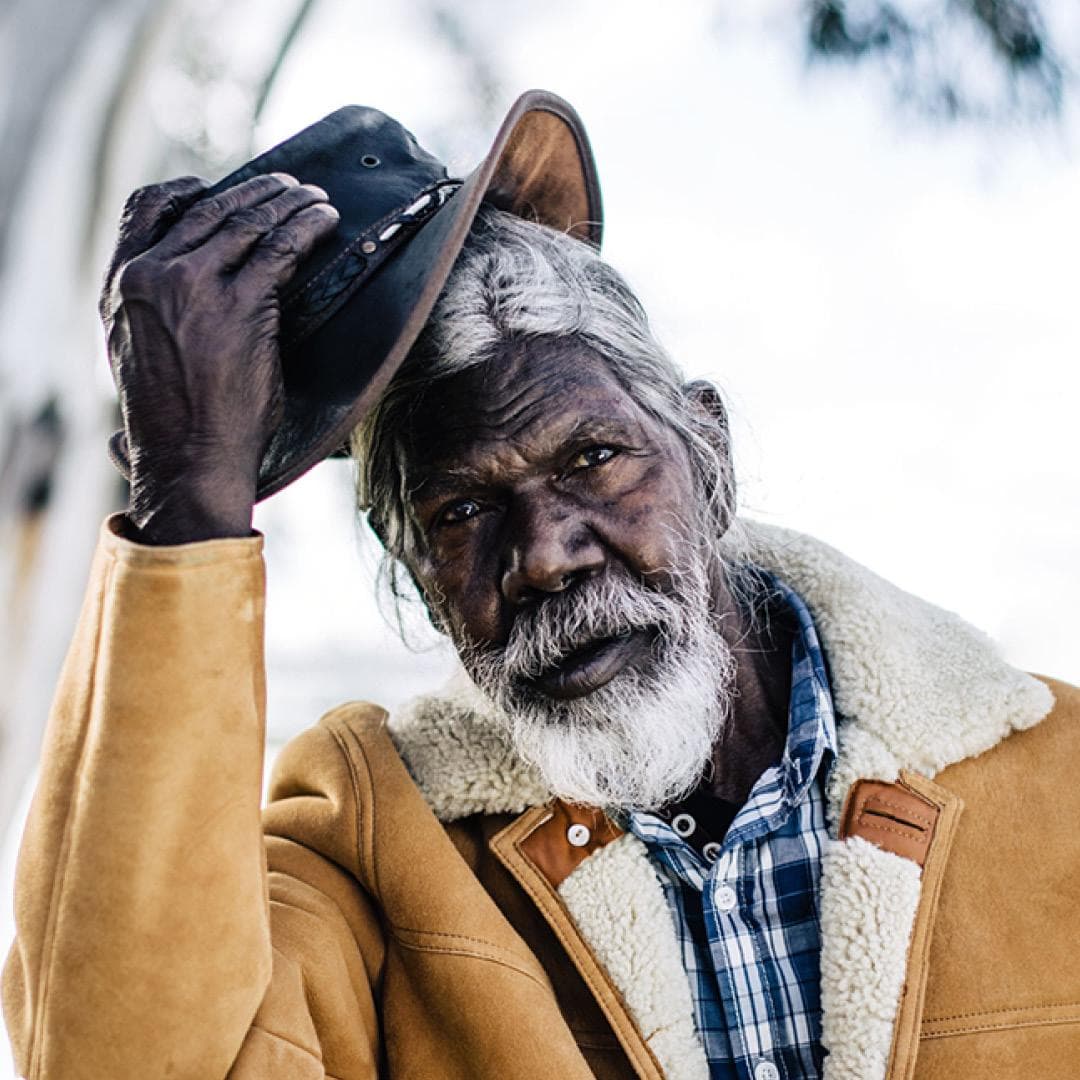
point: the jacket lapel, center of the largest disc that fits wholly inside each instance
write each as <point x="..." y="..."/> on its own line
<point x="617" y="902"/>
<point x="611" y="916"/>
<point x="916" y="689"/>
<point x="879" y="889"/>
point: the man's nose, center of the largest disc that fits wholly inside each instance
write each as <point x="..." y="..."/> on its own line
<point x="548" y="553"/>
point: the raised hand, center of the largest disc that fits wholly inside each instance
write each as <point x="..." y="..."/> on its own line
<point x="191" y="313"/>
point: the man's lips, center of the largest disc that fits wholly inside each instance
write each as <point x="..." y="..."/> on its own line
<point x="592" y="666"/>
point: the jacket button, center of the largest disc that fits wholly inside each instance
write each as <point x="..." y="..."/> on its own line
<point x="578" y="835"/>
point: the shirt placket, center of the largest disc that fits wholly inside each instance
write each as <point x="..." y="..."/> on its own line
<point x="737" y="960"/>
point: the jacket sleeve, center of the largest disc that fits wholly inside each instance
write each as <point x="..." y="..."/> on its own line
<point x="151" y="940"/>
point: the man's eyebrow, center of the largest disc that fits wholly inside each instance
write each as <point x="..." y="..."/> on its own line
<point x="445" y="482"/>
<point x="604" y="427"/>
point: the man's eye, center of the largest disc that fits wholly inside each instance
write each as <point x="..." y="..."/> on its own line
<point x="593" y="456"/>
<point x="461" y="510"/>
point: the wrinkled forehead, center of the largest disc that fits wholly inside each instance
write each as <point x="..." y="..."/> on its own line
<point x="528" y="394"/>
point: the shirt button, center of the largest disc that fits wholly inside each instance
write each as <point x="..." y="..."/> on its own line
<point x="766" y="1070"/>
<point x="683" y="824"/>
<point x="578" y="835"/>
<point x="725" y="901"/>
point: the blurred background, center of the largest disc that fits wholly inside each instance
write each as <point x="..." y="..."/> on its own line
<point x="861" y="219"/>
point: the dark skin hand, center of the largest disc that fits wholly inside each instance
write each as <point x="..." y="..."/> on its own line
<point x="190" y="308"/>
<point x="543" y="471"/>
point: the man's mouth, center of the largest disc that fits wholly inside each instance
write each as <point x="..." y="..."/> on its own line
<point x="594" y="665"/>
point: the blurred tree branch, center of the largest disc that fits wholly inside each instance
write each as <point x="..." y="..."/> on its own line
<point x="984" y="60"/>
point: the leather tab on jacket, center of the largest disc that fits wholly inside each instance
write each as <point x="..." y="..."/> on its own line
<point x="891" y="817"/>
<point x="561" y="843"/>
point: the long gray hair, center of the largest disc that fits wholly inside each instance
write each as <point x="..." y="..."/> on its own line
<point x="517" y="280"/>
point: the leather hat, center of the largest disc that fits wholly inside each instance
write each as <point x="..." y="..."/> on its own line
<point x="357" y="303"/>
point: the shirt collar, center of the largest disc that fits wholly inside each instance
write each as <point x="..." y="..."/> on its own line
<point x="811" y="741"/>
<point x="811" y="714"/>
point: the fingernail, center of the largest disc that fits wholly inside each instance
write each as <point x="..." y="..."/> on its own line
<point x="327" y="209"/>
<point x="315" y="189"/>
<point x="286" y="178"/>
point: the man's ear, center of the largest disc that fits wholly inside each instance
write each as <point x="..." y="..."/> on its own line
<point x="705" y="399"/>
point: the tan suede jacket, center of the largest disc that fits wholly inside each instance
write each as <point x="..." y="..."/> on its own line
<point x="409" y="907"/>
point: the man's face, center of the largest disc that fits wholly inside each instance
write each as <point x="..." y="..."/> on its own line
<point x="540" y="472"/>
<point x="559" y="553"/>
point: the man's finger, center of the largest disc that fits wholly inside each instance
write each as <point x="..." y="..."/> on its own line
<point x="150" y="210"/>
<point x="276" y="257"/>
<point x="206" y="217"/>
<point x="148" y="214"/>
<point x="236" y="238"/>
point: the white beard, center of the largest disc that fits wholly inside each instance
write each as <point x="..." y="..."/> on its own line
<point x="644" y="739"/>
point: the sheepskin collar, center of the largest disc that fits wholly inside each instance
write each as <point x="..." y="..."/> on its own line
<point x="915" y="688"/>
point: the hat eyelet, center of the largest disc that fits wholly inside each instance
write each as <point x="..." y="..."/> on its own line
<point x="370" y="161"/>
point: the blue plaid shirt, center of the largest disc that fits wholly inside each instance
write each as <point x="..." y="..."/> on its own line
<point x="745" y="909"/>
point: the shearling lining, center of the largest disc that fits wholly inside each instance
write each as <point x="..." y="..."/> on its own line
<point x="868" y="903"/>
<point x="618" y="904"/>
<point x="915" y="686"/>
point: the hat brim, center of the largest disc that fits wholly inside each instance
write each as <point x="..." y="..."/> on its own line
<point x="540" y="167"/>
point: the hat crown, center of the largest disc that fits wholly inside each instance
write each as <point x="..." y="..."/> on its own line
<point x="368" y="163"/>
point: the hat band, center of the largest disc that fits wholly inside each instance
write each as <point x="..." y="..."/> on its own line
<point x="306" y="309"/>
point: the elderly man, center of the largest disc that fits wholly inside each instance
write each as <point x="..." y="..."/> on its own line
<point x="694" y="808"/>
